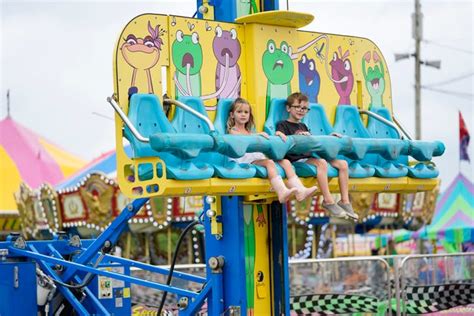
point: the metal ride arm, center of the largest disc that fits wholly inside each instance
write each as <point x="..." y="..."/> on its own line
<point x="137" y="134"/>
<point x="125" y="119"/>
<point x="401" y="128"/>
<point x="383" y="120"/>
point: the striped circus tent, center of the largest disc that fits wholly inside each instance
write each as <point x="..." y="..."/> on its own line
<point x="29" y="158"/>
<point x="453" y="221"/>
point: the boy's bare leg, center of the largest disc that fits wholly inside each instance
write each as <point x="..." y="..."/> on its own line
<point x="322" y="178"/>
<point x="343" y="168"/>
<point x="344" y="203"/>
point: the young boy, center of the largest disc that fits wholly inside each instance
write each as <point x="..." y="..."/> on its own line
<point x="297" y="106"/>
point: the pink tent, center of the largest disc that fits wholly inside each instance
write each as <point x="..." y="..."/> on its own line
<point x="29" y="158"/>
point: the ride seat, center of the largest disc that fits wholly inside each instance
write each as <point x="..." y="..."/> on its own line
<point x="271" y="149"/>
<point x="187" y="123"/>
<point x="146" y="114"/>
<point x="348" y="122"/>
<point x="299" y="144"/>
<point x="420" y="150"/>
<point x="318" y="124"/>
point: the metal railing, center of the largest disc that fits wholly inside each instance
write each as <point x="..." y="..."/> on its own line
<point x="435" y="269"/>
<point x="360" y="276"/>
<point x="383" y="277"/>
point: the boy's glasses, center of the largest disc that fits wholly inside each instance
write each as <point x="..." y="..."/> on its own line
<point x="300" y="108"/>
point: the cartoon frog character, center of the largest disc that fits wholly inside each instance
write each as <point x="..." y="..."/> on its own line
<point x="374" y="79"/>
<point x="342" y="76"/>
<point x="278" y="68"/>
<point x="309" y="79"/>
<point x="187" y="58"/>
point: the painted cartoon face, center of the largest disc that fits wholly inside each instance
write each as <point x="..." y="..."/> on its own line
<point x="226" y="43"/>
<point x="309" y="76"/>
<point x="374" y="76"/>
<point x="277" y="64"/>
<point x="342" y="76"/>
<point x="187" y="51"/>
<point x="140" y="53"/>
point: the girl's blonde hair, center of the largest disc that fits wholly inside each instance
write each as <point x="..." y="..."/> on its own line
<point x="234" y="107"/>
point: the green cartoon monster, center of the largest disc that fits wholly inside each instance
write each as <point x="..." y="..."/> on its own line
<point x="374" y="79"/>
<point x="278" y="68"/>
<point x="187" y="58"/>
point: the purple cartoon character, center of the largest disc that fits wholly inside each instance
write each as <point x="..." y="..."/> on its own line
<point x="227" y="50"/>
<point x="342" y="76"/>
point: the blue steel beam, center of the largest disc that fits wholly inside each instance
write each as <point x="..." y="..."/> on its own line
<point x="155" y="269"/>
<point x="112" y="233"/>
<point x="117" y="276"/>
<point x="64" y="291"/>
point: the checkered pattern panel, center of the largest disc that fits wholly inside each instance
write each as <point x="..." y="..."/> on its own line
<point x="329" y="304"/>
<point x="434" y="298"/>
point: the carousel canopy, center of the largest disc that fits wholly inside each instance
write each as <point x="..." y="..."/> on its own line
<point x="29" y="158"/>
<point x="106" y="163"/>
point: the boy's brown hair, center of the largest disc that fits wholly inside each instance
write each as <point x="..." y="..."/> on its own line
<point x="297" y="96"/>
<point x="235" y="105"/>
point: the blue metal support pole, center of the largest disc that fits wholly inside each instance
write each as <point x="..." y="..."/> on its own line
<point x="279" y="238"/>
<point x="217" y="293"/>
<point x="231" y="246"/>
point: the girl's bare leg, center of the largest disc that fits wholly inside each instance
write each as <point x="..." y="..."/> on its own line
<point x="276" y="181"/>
<point x="269" y="165"/>
<point x="295" y="182"/>
<point x="288" y="167"/>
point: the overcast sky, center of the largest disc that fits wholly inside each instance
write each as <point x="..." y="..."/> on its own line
<point x="56" y="58"/>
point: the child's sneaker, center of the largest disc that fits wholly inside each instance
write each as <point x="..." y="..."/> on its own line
<point x="335" y="210"/>
<point x="349" y="210"/>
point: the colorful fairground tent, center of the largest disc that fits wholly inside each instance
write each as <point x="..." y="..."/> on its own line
<point x="453" y="220"/>
<point x="26" y="157"/>
<point x="87" y="201"/>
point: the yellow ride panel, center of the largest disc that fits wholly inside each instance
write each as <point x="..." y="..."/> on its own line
<point x="262" y="57"/>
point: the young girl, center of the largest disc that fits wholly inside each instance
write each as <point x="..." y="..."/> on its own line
<point x="240" y="122"/>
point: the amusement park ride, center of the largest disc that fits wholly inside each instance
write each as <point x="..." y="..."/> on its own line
<point x="180" y="148"/>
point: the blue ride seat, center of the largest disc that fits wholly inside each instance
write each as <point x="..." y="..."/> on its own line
<point x="187" y="123"/>
<point x="274" y="150"/>
<point x="318" y="124"/>
<point x="328" y="146"/>
<point x="146" y="114"/>
<point x="382" y="154"/>
<point x="420" y="150"/>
